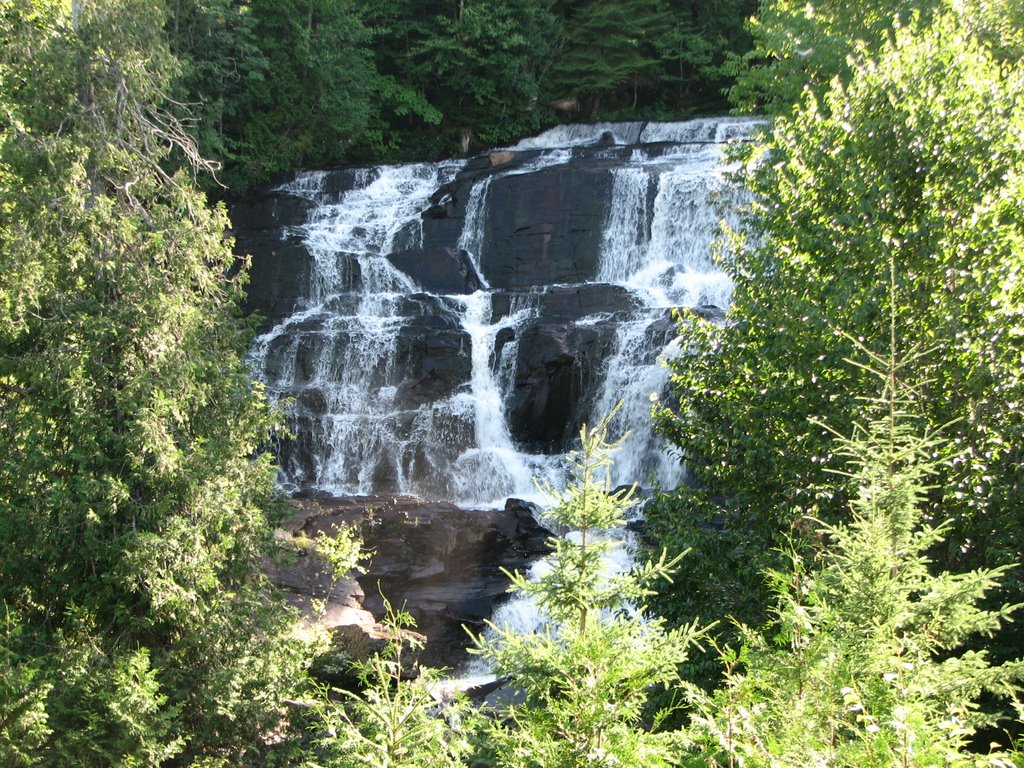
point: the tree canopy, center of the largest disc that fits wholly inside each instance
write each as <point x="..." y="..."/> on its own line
<point x="304" y="83"/>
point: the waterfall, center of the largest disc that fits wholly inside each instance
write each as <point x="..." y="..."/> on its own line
<point x="392" y="388"/>
<point x="473" y="231"/>
<point x="627" y="230"/>
<point x="338" y="356"/>
<point x="493" y="468"/>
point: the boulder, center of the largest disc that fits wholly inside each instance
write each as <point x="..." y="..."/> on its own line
<point x="556" y="367"/>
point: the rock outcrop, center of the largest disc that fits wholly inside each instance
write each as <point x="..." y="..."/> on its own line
<point x="440" y="562"/>
<point x="439" y="270"/>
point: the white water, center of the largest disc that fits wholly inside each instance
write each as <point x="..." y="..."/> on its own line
<point x="472" y="238"/>
<point x="352" y="344"/>
<point x="493" y="469"/>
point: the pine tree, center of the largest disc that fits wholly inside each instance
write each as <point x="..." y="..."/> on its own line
<point x="135" y="500"/>
<point x="863" y="664"/>
<point x="587" y="677"/>
<point x="610" y="52"/>
<point x="399" y="719"/>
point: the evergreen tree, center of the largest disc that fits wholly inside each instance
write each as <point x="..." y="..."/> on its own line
<point x="398" y="720"/>
<point x="588" y="676"/>
<point x="610" y="52"/>
<point x="863" y="664"/>
<point x="314" y="96"/>
<point x="699" y="51"/>
<point x="220" y="58"/>
<point x="138" y="627"/>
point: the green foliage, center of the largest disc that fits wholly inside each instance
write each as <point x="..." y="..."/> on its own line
<point x="23" y="718"/>
<point x="396" y="721"/>
<point x="697" y="51"/>
<point x="340" y="550"/>
<point x="917" y="159"/>
<point x="863" y="663"/>
<point x="314" y="95"/>
<point x="269" y="86"/>
<point x="587" y="677"/>
<point x="135" y="501"/>
<point x="216" y="42"/>
<point x="610" y="50"/>
<point x="798" y="45"/>
<point x="477" y="65"/>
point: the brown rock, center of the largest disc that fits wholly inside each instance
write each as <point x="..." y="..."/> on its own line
<point x="500" y="158"/>
<point x="438" y="561"/>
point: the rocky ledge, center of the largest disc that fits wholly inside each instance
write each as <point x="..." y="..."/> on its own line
<point x="440" y="562"/>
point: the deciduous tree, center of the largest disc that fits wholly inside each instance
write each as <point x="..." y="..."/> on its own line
<point x="918" y="159"/>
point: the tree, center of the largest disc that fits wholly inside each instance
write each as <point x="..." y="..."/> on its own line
<point x="136" y="500"/>
<point x="609" y="52"/>
<point x="587" y="677"/>
<point x="801" y="45"/>
<point x="220" y="58"/>
<point x="864" y="663"/>
<point x="461" y="72"/>
<point x="483" y="65"/>
<point x="915" y="159"/>
<point x="698" y="50"/>
<point x="396" y="721"/>
<point x="314" y="98"/>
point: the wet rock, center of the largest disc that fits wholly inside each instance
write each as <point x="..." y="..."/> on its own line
<point x="439" y="270"/>
<point x="576" y="301"/>
<point x="545" y="227"/>
<point x="556" y="367"/>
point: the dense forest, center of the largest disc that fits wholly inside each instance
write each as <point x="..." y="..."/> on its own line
<point x="274" y="86"/>
<point x="837" y="585"/>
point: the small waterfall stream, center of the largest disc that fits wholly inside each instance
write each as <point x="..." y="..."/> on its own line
<point x="487" y="471"/>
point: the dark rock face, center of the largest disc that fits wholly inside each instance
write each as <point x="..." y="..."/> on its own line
<point x="555" y="368"/>
<point x="558" y="360"/>
<point x="440" y="561"/>
<point x="567" y="302"/>
<point x="432" y="356"/>
<point x="439" y="270"/>
<point x="541" y="228"/>
<point x="283" y="264"/>
<point x="545" y="227"/>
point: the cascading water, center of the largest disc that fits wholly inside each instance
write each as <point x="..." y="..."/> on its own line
<point x="493" y="468"/>
<point x="663" y="217"/>
<point x="396" y="389"/>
